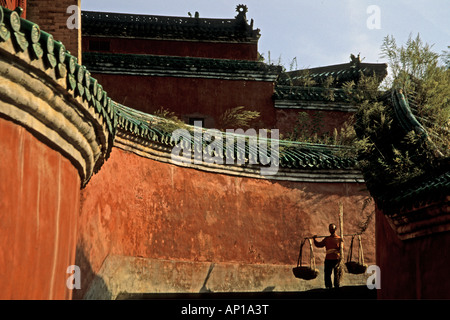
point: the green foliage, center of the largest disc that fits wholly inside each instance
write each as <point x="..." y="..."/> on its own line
<point x="302" y="79"/>
<point x="367" y="88"/>
<point x="446" y="58"/>
<point x="308" y="128"/>
<point x="328" y="92"/>
<point x="237" y="117"/>
<point x="417" y="70"/>
<point x="414" y="61"/>
<point x="389" y="160"/>
<point x="373" y="121"/>
<point x="166" y="114"/>
<point x="167" y="121"/>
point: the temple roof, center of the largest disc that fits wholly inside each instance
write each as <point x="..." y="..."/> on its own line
<point x="406" y="171"/>
<point x="341" y="73"/>
<point x="302" y="87"/>
<point x="417" y="193"/>
<point x="179" y="66"/>
<point x="108" y="24"/>
<point x="309" y="93"/>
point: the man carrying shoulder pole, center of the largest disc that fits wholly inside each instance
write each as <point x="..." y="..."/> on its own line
<point x="332" y="243"/>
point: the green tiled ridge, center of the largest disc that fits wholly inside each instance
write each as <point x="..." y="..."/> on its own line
<point x="340" y="73"/>
<point x="410" y="194"/>
<point x="293" y="155"/>
<point x="140" y="62"/>
<point x="27" y="37"/>
<point x="309" y="93"/>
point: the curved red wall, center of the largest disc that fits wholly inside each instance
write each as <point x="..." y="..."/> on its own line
<point x="39" y="205"/>
<point x="143" y="208"/>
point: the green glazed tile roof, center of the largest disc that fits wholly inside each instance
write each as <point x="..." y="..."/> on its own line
<point x="290" y="85"/>
<point x="341" y="73"/>
<point x="292" y="155"/>
<point x="432" y="185"/>
<point x="37" y="48"/>
<point x="109" y="24"/>
<point x="414" y="194"/>
<point x="154" y="64"/>
<point x="309" y="93"/>
<point x="40" y="45"/>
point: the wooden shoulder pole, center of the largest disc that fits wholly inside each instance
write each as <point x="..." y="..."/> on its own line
<point x="341" y="267"/>
<point x="341" y="225"/>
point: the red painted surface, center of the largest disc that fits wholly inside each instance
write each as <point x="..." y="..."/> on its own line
<point x="39" y="205"/>
<point x="142" y="208"/>
<point x="185" y="96"/>
<point x="287" y="119"/>
<point x="412" y="269"/>
<point x="13" y="4"/>
<point x="218" y="50"/>
<point x="210" y="98"/>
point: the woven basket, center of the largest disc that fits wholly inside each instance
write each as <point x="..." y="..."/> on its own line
<point x="304" y="272"/>
<point x="356" y="267"/>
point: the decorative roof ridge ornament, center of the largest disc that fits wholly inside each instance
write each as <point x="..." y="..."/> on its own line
<point x="193" y="27"/>
<point x="242" y="10"/>
<point x="355" y="61"/>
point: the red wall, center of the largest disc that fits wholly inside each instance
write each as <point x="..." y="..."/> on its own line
<point x="209" y="97"/>
<point x="412" y="269"/>
<point x="287" y="119"/>
<point x="189" y="95"/>
<point x="218" y="50"/>
<point x="143" y="208"/>
<point x="13" y="4"/>
<point x="39" y="205"/>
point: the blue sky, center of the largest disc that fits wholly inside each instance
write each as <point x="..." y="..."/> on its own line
<point x="314" y="32"/>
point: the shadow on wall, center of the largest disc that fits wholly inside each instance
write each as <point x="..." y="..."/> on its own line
<point x="91" y="283"/>
<point x="204" y="289"/>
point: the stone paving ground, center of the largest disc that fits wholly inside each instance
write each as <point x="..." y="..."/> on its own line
<point x="346" y="292"/>
<point x="253" y="305"/>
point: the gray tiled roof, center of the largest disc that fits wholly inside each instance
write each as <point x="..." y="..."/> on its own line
<point x="108" y="24"/>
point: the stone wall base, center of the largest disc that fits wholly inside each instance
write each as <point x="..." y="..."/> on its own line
<point x="130" y="275"/>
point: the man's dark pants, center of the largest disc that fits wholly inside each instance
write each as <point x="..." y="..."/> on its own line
<point x="330" y="266"/>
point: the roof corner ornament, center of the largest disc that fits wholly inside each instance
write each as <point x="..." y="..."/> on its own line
<point x="355" y="61"/>
<point x="197" y="15"/>
<point x="242" y="10"/>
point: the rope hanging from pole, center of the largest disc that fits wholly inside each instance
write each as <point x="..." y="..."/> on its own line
<point x="356" y="267"/>
<point x="304" y="272"/>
